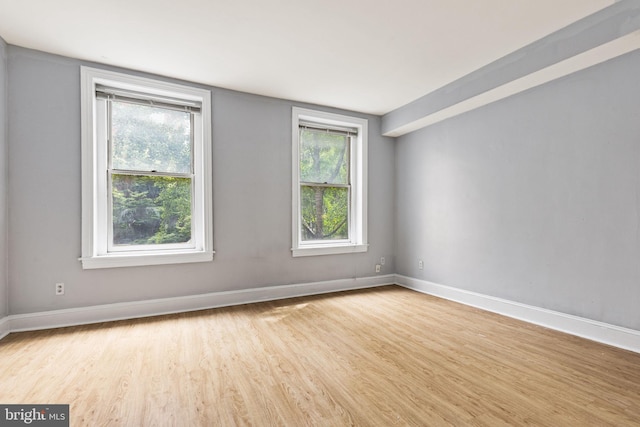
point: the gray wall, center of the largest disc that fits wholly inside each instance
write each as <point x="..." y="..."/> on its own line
<point x="252" y="199"/>
<point x="4" y="290"/>
<point x="535" y="198"/>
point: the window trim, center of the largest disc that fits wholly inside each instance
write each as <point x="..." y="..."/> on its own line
<point x="358" y="197"/>
<point x="93" y="231"/>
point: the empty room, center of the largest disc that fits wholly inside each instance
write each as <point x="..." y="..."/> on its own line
<point x="306" y="213"/>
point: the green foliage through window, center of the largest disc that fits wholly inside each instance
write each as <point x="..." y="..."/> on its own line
<point x="324" y="161"/>
<point x="151" y="210"/>
<point x="153" y="205"/>
<point x="146" y="138"/>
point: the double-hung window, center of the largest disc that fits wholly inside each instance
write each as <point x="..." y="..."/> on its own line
<point x="146" y="159"/>
<point x="329" y="183"/>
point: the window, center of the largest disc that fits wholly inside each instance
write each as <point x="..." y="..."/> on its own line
<point x="329" y="183"/>
<point x="146" y="171"/>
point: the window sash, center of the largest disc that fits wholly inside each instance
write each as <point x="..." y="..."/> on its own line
<point x="112" y="247"/>
<point x="347" y="155"/>
<point x="357" y="130"/>
<point x="329" y="241"/>
<point x="110" y="140"/>
<point x="322" y="184"/>
<point x="350" y="133"/>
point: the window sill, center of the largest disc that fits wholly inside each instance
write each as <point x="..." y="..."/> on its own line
<point x="135" y="260"/>
<point x="328" y="250"/>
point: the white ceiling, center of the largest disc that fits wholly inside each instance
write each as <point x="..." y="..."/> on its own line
<point x="364" y="55"/>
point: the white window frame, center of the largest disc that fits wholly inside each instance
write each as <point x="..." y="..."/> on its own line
<point x="357" y="241"/>
<point x="95" y="205"/>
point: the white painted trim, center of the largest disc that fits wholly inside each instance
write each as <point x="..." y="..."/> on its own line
<point x="617" y="336"/>
<point x="5" y="327"/>
<point x="358" y="220"/>
<point x="155" y="307"/>
<point x="95" y="253"/>
<point x="628" y="339"/>
<point x="329" y="250"/>
<point x="133" y="259"/>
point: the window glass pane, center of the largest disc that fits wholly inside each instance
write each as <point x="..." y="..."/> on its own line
<point x="146" y="138"/>
<point x="325" y="213"/>
<point x="150" y="210"/>
<point x="324" y="157"/>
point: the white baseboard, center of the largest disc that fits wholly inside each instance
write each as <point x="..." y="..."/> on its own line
<point x="4" y="327"/>
<point x="155" y="307"/>
<point x="617" y="336"/>
<point x="628" y="339"/>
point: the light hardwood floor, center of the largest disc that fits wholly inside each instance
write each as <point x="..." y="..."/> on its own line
<point x="380" y="357"/>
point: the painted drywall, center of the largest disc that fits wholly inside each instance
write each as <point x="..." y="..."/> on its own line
<point x="4" y="288"/>
<point x="252" y="199"/>
<point x="534" y="199"/>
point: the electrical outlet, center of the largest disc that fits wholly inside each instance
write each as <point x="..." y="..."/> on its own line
<point x="377" y="268"/>
<point x="59" y="288"/>
<point x="382" y="260"/>
<point x="420" y="264"/>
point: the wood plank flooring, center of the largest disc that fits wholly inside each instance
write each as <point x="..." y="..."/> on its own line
<point x="380" y="357"/>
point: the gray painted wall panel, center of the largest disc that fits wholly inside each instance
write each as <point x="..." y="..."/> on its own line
<point x="4" y="287"/>
<point x="252" y="199"/>
<point x="535" y="198"/>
